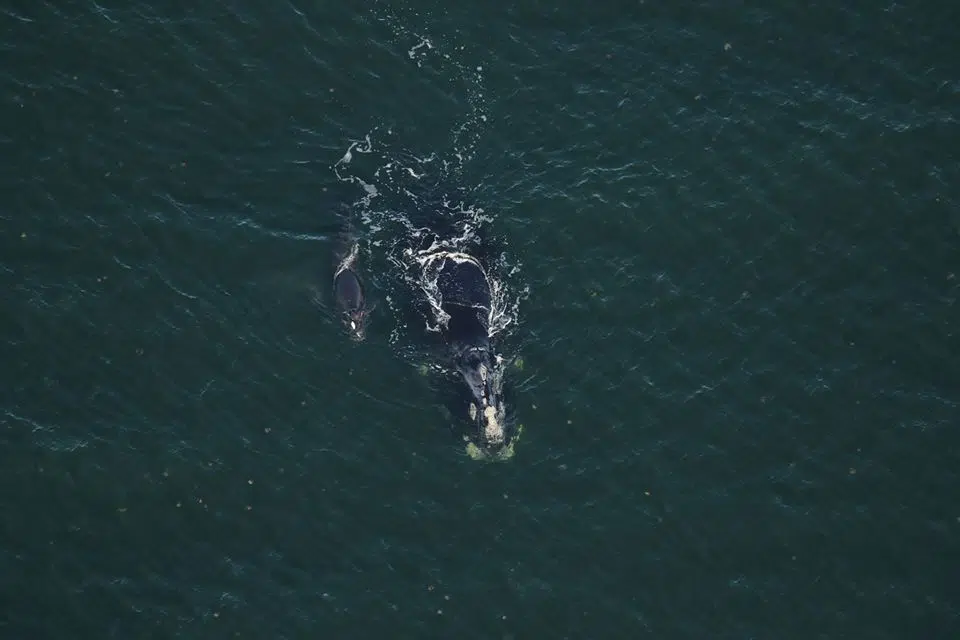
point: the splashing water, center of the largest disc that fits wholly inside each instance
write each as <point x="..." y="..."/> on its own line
<point x="398" y="186"/>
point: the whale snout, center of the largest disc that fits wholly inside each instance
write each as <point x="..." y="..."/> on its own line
<point x="356" y="324"/>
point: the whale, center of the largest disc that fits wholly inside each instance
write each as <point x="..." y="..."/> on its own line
<point x="349" y="291"/>
<point x="460" y="307"/>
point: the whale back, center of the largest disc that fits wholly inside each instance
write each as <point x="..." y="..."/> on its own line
<point x="462" y="281"/>
<point x="348" y="291"/>
<point x="465" y="295"/>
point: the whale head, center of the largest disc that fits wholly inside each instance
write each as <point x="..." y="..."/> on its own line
<point x="355" y="321"/>
<point x="482" y="372"/>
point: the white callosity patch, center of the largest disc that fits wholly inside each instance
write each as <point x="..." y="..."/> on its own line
<point x="496" y="429"/>
<point x="493" y="430"/>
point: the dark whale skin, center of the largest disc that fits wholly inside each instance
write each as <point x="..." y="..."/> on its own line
<point x="466" y="300"/>
<point x="348" y="289"/>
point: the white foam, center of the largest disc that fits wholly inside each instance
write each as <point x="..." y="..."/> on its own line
<point x="360" y="146"/>
<point x="348" y="260"/>
<point x="391" y="177"/>
<point x="413" y="50"/>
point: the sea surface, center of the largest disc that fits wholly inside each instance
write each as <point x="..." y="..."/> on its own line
<point x="730" y="237"/>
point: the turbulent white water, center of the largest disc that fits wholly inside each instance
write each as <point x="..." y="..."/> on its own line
<point x="390" y="230"/>
<point x="398" y="187"/>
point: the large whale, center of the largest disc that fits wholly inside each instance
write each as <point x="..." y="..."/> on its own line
<point x="461" y="302"/>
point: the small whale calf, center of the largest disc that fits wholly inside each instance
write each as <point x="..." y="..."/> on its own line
<point x="348" y="290"/>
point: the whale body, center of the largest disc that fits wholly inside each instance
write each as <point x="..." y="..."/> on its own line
<point x="462" y="311"/>
<point x="348" y="290"/>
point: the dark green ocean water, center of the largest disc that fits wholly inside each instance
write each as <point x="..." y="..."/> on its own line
<point x="733" y="231"/>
